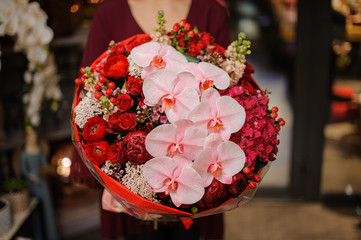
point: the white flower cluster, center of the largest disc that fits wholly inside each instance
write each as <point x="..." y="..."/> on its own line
<point x="26" y="22"/>
<point x="87" y="108"/>
<point x="135" y="182"/>
<point x="134" y="69"/>
<point x="234" y="65"/>
<point x="160" y="38"/>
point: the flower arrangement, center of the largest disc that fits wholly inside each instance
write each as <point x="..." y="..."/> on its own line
<point x="174" y="125"/>
<point x="25" y="22"/>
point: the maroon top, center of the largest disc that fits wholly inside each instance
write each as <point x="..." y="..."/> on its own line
<point x="113" y="20"/>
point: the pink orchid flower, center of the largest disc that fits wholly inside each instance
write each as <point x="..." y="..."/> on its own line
<point x="152" y="56"/>
<point x="180" y="138"/>
<point x="208" y="75"/>
<point x="183" y="184"/>
<point x="222" y="115"/>
<point x="175" y="92"/>
<point x="219" y="159"/>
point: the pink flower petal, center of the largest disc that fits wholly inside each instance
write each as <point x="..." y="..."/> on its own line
<point x="201" y="165"/>
<point x="185" y="80"/>
<point x="201" y="115"/>
<point x="185" y="102"/>
<point x="231" y="113"/>
<point x="158" y="84"/>
<point x="157" y="170"/>
<point x="190" y="188"/>
<point x="211" y="96"/>
<point x="182" y="126"/>
<point x="159" y="139"/>
<point x="143" y="54"/>
<point x="174" y="60"/>
<point x="232" y="159"/>
<point x="220" y="78"/>
<point x="193" y="142"/>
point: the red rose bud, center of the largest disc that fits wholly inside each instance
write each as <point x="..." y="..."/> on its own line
<point x="187" y="26"/>
<point x="134" y="85"/>
<point x="114" y="154"/>
<point x="94" y="129"/>
<point x="98" y="95"/>
<point x="257" y="178"/>
<point x="133" y="147"/>
<point x="252" y="185"/>
<point x="124" y="102"/>
<point x="115" y="66"/>
<point x="182" y="22"/>
<point x="214" y="195"/>
<point x="176" y="27"/>
<point x="102" y="79"/>
<point x="111" y="85"/>
<point x="118" y="122"/>
<point x="239" y="183"/>
<point x="96" y="151"/>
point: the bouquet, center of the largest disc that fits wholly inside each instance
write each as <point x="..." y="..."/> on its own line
<point x="173" y="125"/>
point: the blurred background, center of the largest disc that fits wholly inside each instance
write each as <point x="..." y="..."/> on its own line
<point x="307" y="53"/>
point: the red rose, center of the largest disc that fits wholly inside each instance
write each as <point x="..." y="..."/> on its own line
<point x="114" y="154"/>
<point x="124" y="102"/>
<point x="94" y="129"/>
<point x="133" y="147"/>
<point x="206" y="38"/>
<point x="134" y="85"/>
<point x="239" y="183"/>
<point x="116" y="66"/>
<point x="214" y="195"/>
<point x="119" y="122"/>
<point x="96" y="151"/>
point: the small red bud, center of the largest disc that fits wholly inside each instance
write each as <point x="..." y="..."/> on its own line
<point x="246" y="170"/>
<point x="98" y="95"/>
<point x="108" y="92"/>
<point x="97" y="87"/>
<point x="252" y="185"/>
<point x="78" y="81"/>
<point x="275" y="109"/>
<point x="278" y="128"/>
<point x="182" y="22"/>
<point x="111" y="85"/>
<point x="281" y="121"/>
<point x="176" y="27"/>
<point x="82" y="70"/>
<point x="102" y="79"/>
<point x="274" y="114"/>
<point x="257" y="178"/>
<point x="187" y="26"/>
<point x="113" y="100"/>
<point x="250" y="175"/>
<point x="191" y="33"/>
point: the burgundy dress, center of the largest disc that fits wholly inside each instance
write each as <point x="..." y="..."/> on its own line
<point x="113" y="21"/>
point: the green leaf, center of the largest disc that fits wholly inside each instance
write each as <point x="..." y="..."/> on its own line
<point x="191" y="58"/>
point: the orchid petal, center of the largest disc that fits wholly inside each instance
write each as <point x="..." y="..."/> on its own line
<point x="193" y="142"/>
<point x="231" y="113"/>
<point x="185" y="79"/>
<point x="157" y="170"/>
<point x="190" y="188"/>
<point x="232" y="158"/>
<point x="143" y="54"/>
<point x="174" y="60"/>
<point x="201" y="115"/>
<point x="158" y="84"/>
<point x="220" y="78"/>
<point x="201" y="164"/>
<point x="185" y="102"/>
<point x="159" y="139"/>
<point x="211" y="96"/>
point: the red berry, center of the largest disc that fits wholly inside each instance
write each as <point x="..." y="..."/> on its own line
<point x="274" y="115"/>
<point x="246" y="170"/>
<point x="102" y="79"/>
<point x="82" y="70"/>
<point x="97" y="87"/>
<point x="176" y="27"/>
<point x="250" y="175"/>
<point x="252" y="168"/>
<point x="252" y="185"/>
<point x="108" y="92"/>
<point x="278" y="128"/>
<point x="98" y="95"/>
<point x="275" y="109"/>
<point x="182" y="22"/>
<point x="113" y="100"/>
<point x="111" y="85"/>
<point x="191" y="33"/>
<point x="187" y="26"/>
<point x="281" y="121"/>
<point x="257" y="178"/>
<point x="78" y="81"/>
